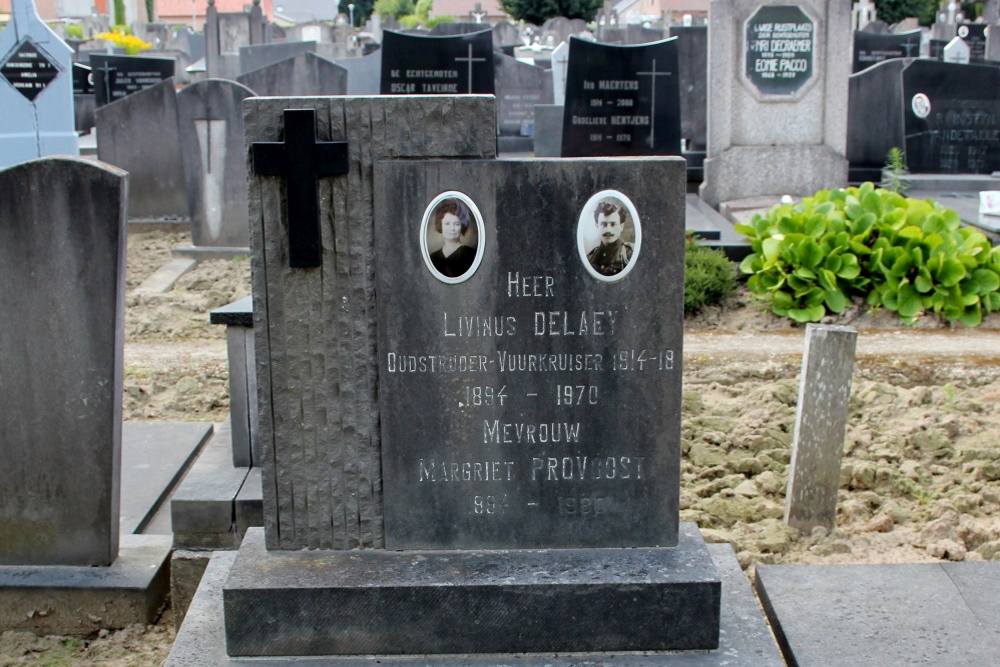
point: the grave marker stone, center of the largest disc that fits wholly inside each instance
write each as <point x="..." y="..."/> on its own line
<point x="560" y="64"/>
<point x="871" y="48"/>
<point x="36" y="89"/>
<point x="455" y="65"/>
<point x="622" y="100"/>
<point x="210" y="118"/>
<point x="519" y="88"/>
<point x="692" y="44"/>
<point x="780" y="101"/>
<point x="139" y="134"/>
<point x="304" y="74"/>
<point x="957" y="52"/>
<point x="975" y="35"/>
<point x="62" y="376"/>
<point x="363" y="74"/>
<point x="261" y="55"/>
<point x="118" y="76"/>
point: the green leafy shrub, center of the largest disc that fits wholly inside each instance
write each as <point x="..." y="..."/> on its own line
<point x="74" y="31"/>
<point x="909" y="256"/>
<point x="709" y="277"/>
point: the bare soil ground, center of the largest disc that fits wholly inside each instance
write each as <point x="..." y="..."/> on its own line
<point x="920" y="480"/>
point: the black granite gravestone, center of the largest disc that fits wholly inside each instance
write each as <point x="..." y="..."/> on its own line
<point x="118" y="76"/>
<point x="454" y="65"/>
<point x="974" y="34"/>
<point x="692" y="46"/>
<point x="622" y="100"/>
<point x="519" y="87"/>
<point x="779" y="49"/>
<point x="503" y="381"/>
<point x="870" y="48"/>
<point x="936" y="48"/>
<point x="83" y="79"/>
<point x="28" y="69"/>
<point x="950" y="117"/>
<point x="874" y="122"/>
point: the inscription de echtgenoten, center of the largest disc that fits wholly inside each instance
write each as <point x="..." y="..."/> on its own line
<point x="472" y="395"/>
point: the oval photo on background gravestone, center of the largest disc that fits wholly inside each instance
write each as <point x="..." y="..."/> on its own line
<point x="453" y="65"/>
<point x="622" y="100"/>
<point x="779" y="49"/>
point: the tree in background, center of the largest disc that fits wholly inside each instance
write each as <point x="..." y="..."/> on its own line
<point x="539" y="11"/>
<point x="362" y="10"/>
<point x="894" y="11"/>
<point x="394" y="8"/>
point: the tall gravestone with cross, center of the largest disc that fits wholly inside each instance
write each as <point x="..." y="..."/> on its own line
<point x="777" y="112"/>
<point x="622" y="100"/>
<point x="458" y="465"/>
<point x="36" y="89"/>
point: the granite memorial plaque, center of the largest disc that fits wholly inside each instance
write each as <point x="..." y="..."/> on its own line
<point x="118" y="76"/>
<point x="511" y="344"/>
<point x="519" y="88"/>
<point x="870" y="48"/>
<point x="622" y="100"/>
<point x="779" y="49"/>
<point x="453" y="65"/>
<point x="950" y="117"/>
<point x="975" y="35"/>
<point x="28" y="69"/>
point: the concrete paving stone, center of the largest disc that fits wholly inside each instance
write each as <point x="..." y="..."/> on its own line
<point x="935" y="614"/>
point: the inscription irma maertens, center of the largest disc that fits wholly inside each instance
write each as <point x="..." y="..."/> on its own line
<point x="532" y="401"/>
<point x="779" y="49"/>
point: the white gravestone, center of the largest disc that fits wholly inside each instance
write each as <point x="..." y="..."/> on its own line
<point x="560" y="62"/>
<point x="36" y="90"/>
<point x="957" y="51"/>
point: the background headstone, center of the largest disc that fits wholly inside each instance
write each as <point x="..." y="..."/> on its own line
<point x="36" y="89"/>
<point x="210" y="118"/>
<point x="61" y="394"/>
<point x="870" y="48"/>
<point x="363" y="73"/>
<point x="957" y="52"/>
<point x="519" y="87"/>
<point x="261" y="55"/>
<point x="780" y="134"/>
<point x="622" y="100"/>
<point x="692" y="61"/>
<point x="118" y="76"/>
<point x="139" y="134"/>
<point x="304" y="74"/>
<point x="974" y="34"/>
<point x="560" y="65"/>
<point x="337" y="396"/>
<point x="413" y="65"/>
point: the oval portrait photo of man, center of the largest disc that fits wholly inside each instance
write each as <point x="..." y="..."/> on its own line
<point x="452" y="233"/>
<point x="609" y="235"/>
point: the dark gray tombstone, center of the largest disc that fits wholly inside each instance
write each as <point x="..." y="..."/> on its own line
<point x="210" y="118"/>
<point x="83" y="97"/>
<point x="622" y="100"/>
<point x="62" y="373"/>
<point x="139" y="134"/>
<point x="36" y="89"/>
<point x="519" y="87"/>
<point x="975" y="35"/>
<point x="506" y="33"/>
<point x="304" y="74"/>
<point x="957" y="131"/>
<point x="416" y="65"/>
<point x="363" y="74"/>
<point x="118" y="76"/>
<point x="692" y="61"/>
<point x="870" y="48"/>
<point x="936" y="48"/>
<point x="942" y="114"/>
<point x="512" y="374"/>
<point x="253" y="57"/>
<point x="311" y="31"/>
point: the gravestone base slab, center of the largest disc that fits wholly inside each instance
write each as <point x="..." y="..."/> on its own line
<point x="749" y="171"/>
<point x="515" y="144"/>
<point x="745" y="638"/>
<point x="208" y="252"/>
<point x="458" y="602"/>
<point x="78" y="600"/>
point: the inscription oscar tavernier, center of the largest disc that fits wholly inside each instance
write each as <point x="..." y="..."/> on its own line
<point x="540" y="454"/>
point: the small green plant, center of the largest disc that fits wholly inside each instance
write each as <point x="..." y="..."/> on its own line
<point x="894" y="174"/>
<point x="909" y="256"/>
<point x="709" y="277"/>
<point x="74" y="31"/>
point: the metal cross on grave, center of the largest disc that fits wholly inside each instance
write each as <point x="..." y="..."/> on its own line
<point x="469" y="59"/>
<point x="652" y="111"/>
<point x="108" y="70"/>
<point x="301" y="160"/>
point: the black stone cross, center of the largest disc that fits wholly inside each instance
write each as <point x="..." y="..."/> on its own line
<point x="652" y="111"/>
<point x="107" y="69"/>
<point x="301" y="160"/>
<point x="469" y="59"/>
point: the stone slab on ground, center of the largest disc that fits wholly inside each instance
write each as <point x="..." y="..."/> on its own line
<point x="208" y="252"/>
<point x="714" y="229"/>
<point x="202" y="509"/>
<point x="745" y="638"/>
<point x="932" y="613"/>
<point x="163" y="279"/>
<point x="79" y="600"/>
<point x="154" y="457"/>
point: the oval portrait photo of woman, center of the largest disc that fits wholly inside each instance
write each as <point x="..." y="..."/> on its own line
<point x="452" y="233"/>
<point x="609" y="235"/>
